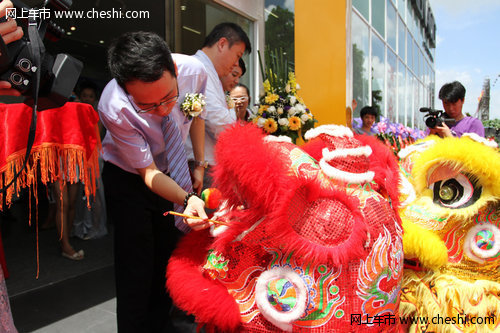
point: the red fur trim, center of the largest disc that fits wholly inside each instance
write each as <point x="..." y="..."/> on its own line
<point x="207" y="299"/>
<point x="351" y="248"/>
<point x="250" y="166"/>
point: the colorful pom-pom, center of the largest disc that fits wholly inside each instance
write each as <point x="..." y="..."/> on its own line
<point x="212" y="198"/>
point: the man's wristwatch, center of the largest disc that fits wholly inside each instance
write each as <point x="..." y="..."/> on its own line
<point x="204" y="164"/>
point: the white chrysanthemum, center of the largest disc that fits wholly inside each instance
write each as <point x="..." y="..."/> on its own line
<point x="292" y="111"/>
<point x="287" y="88"/>
<point x="300" y="108"/>
<point x="280" y="110"/>
<point x="293" y="100"/>
<point x="304" y="118"/>
<point x="261" y="122"/>
<point x="271" y="109"/>
<point x="283" y="121"/>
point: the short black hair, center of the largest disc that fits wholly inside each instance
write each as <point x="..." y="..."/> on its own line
<point x="368" y="110"/>
<point x="241" y="63"/>
<point x="452" y="92"/>
<point x="243" y="86"/>
<point x="139" y="55"/>
<point x="232" y="32"/>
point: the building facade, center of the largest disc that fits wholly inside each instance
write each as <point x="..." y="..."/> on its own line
<point x="393" y="49"/>
<point x="377" y="52"/>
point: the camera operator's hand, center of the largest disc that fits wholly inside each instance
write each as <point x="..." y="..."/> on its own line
<point x="443" y="131"/>
<point x="10" y="32"/>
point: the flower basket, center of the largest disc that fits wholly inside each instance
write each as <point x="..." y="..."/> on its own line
<point x="281" y="111"/>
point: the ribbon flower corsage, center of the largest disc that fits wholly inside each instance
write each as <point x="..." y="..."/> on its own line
<point x="193" y="105"/>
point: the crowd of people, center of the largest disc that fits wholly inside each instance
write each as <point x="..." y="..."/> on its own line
<point x="156" y="159"/>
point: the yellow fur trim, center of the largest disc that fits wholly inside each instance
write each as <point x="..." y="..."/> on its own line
<point x="424" y="245"/>
<point x="447" y="296"/>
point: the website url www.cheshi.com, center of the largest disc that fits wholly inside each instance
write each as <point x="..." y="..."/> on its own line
<point x="390" y="319"/>
<point x="46" y="13"/>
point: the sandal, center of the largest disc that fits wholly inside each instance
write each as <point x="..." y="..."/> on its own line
<point x="75" y="256"/>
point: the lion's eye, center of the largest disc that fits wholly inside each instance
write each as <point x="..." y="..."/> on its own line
<point x="457" y="192"/>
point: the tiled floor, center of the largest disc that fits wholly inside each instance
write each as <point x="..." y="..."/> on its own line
<point x="68" y="296"/>
<point x="98" y="319"/>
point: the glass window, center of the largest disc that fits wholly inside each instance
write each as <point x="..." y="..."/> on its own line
<point x="378" y="74"/>
<point x="401" y="39"/>
<point x="378" y="16"/>
<point x="391" y="85"/>
<point x="416" y="60"/>
<point x="402" y="8"/>
<point x="409" y="99"/>
<point x="401" y="92"/>
<point x="360" y="61"/>
<point x="416" y="102"/>
<point x="363" y="7"/>
<point x="409" y="54"/>
<point x="391" y="25"/>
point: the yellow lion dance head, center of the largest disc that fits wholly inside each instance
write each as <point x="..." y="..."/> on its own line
<point x="452" y="235"/>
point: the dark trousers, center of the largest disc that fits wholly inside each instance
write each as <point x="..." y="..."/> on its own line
<point x="144" y="240"/>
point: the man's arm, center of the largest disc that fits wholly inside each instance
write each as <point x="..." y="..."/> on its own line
<point x="197" y="133"/>
<point x="168" y="189"/>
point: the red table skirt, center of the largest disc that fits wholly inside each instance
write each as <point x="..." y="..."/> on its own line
<point x="66" y="146"/>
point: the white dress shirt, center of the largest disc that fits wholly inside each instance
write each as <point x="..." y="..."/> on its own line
<point x="191" y="78"/>
<point x="218" y="116"/>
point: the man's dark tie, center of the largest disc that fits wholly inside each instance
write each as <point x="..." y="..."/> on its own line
<point x="177" y="164"/>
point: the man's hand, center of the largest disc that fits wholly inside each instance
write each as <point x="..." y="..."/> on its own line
<point x="10" y="32"/>
<point x="6" y="89"/>
<point x="197" y="174"/>
<point x="196" y="207"/>
<point x="443" y="131"/>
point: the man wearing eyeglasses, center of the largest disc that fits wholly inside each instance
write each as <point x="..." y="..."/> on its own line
<point x="144" y="176"/>
<point x="220" y="53"/>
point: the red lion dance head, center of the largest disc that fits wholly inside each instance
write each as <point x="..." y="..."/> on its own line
<point x="314" y="242"/>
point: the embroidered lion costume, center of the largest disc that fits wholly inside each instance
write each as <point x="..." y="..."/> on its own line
<point x="452" y="235"/>
<point x="314" y="242"/>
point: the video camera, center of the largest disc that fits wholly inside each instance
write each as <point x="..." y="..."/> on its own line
<point x="435" y="117"/>
<point x="57" y="75"/>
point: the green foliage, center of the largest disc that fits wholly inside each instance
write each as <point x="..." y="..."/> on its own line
<point x="492" y="123"/>
<point x="280" y="29"/>
<point x="277" y="69"/>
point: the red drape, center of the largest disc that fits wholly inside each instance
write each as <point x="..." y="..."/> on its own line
<point x="66" y="148"/>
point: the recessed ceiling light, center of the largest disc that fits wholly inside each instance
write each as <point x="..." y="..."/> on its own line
<point x="183" y="7"/>
<point x="68" y="33"/>
<point x="72" y="28"/>
<point x="101" y="42"/>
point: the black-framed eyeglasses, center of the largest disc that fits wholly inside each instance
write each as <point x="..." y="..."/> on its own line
<point x="167" y="102"/>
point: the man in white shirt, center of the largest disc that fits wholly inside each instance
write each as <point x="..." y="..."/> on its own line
<point x="221" y="51"/>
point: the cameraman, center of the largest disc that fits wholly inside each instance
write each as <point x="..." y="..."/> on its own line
<point x="10" y="32"/>
<point x="453" y="96"/>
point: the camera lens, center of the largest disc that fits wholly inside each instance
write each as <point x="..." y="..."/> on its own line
<point x="431" y="122"/>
